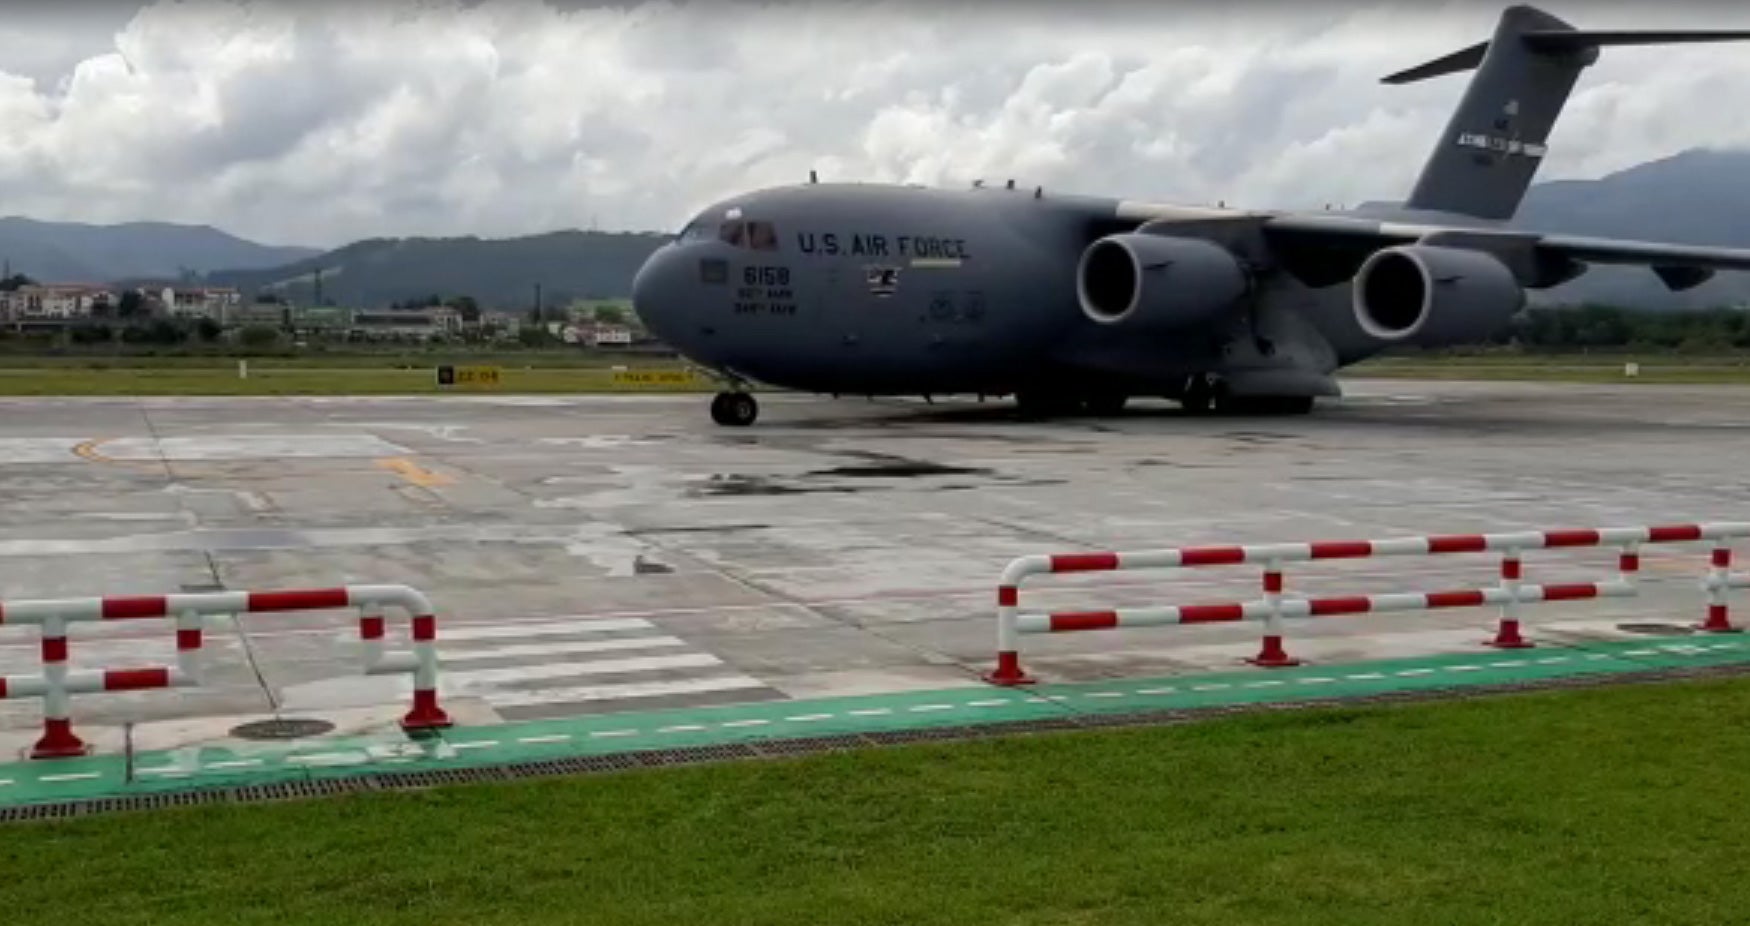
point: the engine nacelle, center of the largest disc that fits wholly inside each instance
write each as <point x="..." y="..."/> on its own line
<point x="1434" y="296"/>
<point x="1153" y="281"/>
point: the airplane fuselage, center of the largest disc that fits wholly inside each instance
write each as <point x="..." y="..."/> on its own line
<point x="883" y="289"/>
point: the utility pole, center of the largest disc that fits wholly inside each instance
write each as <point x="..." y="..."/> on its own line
<point x="538" y="316"/>
<point x="318" y="287"/>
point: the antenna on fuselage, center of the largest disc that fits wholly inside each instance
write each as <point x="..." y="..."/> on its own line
<point x="1011" y="183"/>
<point x="813" y="177"/>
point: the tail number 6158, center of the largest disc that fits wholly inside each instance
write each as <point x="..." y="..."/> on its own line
<point x="766" y="276"/>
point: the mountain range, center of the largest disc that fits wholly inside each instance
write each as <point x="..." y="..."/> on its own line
<point x="1696" y="197"/>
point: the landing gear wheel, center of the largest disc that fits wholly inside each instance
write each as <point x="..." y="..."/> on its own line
<point x="734" y="409"/>
<point x="1198" y="396"/>
<point x="1105" y="404"/>
<point x="1036" y="405"/>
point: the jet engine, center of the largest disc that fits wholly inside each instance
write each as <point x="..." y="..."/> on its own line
<point x="1434" y="296"/>
<point x="1155" y="281"/>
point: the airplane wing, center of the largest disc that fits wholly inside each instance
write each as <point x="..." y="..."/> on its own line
<point x="1322" y="250"/>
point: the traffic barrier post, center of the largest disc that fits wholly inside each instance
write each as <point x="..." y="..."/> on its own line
<point x="1510" y="595"/>
<point x="57" y="682"/>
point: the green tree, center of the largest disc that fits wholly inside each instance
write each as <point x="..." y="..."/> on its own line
<point x="610" y="314"/>
<point x="15" y="281"/>
<point x="258" y="337"/>
<point x="469" y="309"/>
<point x="132" y="304"/>
<point x="208" y="330"/>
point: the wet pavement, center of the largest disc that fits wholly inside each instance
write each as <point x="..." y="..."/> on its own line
<point x="596" y="555"/>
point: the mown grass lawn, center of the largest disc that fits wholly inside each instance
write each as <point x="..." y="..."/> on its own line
<point x="1608" y="806"/>
<point x="339" y="380"/>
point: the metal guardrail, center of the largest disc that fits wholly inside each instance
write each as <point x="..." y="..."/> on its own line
<point x="1509" y="595"/>
<point x="57" y="682"/>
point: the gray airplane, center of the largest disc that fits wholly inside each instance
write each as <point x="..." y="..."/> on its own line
<point x="1075" y="304"/>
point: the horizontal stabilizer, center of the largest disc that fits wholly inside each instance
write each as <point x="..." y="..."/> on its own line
<point x="1558" y="42"/>
<point x="1463" y="60"/>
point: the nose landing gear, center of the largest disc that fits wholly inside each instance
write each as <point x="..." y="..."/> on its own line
<point x="734" y="409"/>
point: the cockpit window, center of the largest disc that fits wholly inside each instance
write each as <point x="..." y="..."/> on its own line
<point x="693" y="232"/>
<point x="757" y="236"/>
<point x="761" y="236"/>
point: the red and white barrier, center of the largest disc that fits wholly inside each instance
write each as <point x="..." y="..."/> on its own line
<point x="1272" y="608"/>
<point x="56" y="682"/>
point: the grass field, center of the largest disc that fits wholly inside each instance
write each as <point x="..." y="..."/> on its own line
<point x="1669" y="369"/>
<point x="572" y="371"/>
<point x="1617" y="805"/>
<point x="312" y="380"/>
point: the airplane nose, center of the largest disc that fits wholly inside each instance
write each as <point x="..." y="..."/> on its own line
<point x="657" y="295"/>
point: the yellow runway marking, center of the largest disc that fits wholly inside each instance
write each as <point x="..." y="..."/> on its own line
<point x="87" y="451"/>
<point x="414" y="473"/>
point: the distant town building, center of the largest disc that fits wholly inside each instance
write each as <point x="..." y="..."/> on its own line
<point x="205" y="302"/>
<point x="433" y="322"/>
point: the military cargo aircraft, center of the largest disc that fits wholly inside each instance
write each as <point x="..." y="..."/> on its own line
<point x="1074" y="304"/>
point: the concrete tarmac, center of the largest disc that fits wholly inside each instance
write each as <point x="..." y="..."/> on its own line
<point x="600" y="554"/>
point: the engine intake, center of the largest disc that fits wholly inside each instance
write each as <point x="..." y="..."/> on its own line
<point x="1155" y="281"/>
<point x="1434" y="296"/>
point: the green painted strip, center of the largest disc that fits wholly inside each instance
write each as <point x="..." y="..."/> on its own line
<point x="208" y="767"/>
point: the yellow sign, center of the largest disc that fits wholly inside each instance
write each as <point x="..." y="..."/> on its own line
<point x="467" y="376"/>
<point x="654" y="378"/>
<point x="476" y="376"/>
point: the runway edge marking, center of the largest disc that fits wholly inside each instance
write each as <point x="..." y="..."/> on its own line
<point x="209" y="768"/>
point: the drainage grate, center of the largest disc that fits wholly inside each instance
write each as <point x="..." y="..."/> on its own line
<point x="281" y="729"/>
<point x="1657" y="630"/>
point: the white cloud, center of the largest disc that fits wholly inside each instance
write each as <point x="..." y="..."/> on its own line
<point x="325" y="122"/>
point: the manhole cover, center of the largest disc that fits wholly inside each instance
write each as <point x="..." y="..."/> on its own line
<point x="1657" y="630"/>
<point x="281" y="729"/>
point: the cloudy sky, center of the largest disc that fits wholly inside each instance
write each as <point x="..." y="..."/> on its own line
<point x="319" y="122"/>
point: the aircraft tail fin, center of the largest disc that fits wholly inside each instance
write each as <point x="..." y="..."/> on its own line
<point x="1495" y="139"/>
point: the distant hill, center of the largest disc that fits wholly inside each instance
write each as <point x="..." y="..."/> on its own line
<point x="1699" y="197"/>
<point x="499" y="273"/>
<point x="66" y="252"/>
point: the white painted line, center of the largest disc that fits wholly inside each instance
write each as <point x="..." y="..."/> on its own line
<point x="871" y="712"/>
<point x="71" y="776"/>
<point x="249" y="763"/>
<point x="162" y="770"/>
<point x="622" y="691"/>
<point x="329" y="758"/>
<point x="925" y="708"/>
<point x="1218" y="686"/>
<point x="514" y="629"/>
<point x="1155" y="691"/>
<point x="744" y="723"/>
<point x="546" y="738"/>
<point x="606" y="733"/>
<point x="1365" y="676"/>
<point x="1603" y="656"/>
<point x="1639" y="652"/>
<point x="538" y="650"/>
<point x="1464" y="668"/>
<point x="474" y="744"/>
<point x="1407" y="673"/>
<point x="465" y="677"/>
<point x="1104" y="694"/>
<point x="1268" y="683"/>
<point x="992" y="702"/>
<point x="1508" y="664"/>
<point x="681" y="728"/>
<point x="5" y="781"/>
<point x="1320" y="680"/>
<point x="807" y="718"/>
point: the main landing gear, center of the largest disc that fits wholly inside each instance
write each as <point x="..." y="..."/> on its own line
<point x="1203" y="393"/>
<point x="734" y="409"/>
